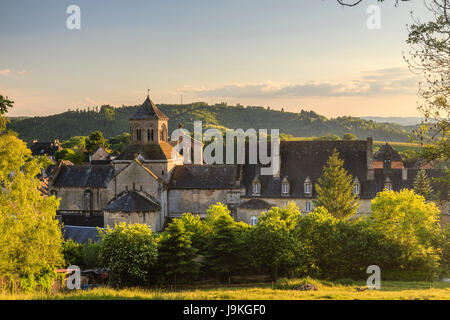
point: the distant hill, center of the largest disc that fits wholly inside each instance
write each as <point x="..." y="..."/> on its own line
<point x="403" y="121"/>
<point x="113" y="121"/>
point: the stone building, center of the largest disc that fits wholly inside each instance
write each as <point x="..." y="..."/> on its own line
<point x="150" y="183"/>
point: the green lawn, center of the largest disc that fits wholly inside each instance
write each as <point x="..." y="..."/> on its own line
<point x="326" y="291"/>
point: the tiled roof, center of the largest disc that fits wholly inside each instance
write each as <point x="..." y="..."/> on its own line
<point x="205" y="177"/>
<point x="148" y="110"/>
<point x="387" y="152"/>
<point x="94" y="176"/>
<point x="132" y="201"/>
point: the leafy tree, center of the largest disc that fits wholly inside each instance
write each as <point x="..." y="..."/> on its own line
<point x="5" y="103"/>
<point x="76" y="157"/>
<point x="273" y="243"/>
<point x="225" y="255"/>
<point x="408" y="219"/>
<point x="77" y="142"/>
<point x="349" y="136"/>
<point x="130" y="251"/>
<point x="94" y="141"/>
<point x="176" y="253"/>
<point x="430" y="56"/>
<point x="30" y="235"/>
<point x="422" y="185"/>
<point x="335" y="189"/>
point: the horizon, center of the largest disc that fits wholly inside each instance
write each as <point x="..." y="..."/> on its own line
<point x="315" y="56"/>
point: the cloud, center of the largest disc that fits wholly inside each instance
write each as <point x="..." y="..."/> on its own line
<point x="5" y="72"/>
<point x="388" y="81"/>
<point x="22" y="72"/>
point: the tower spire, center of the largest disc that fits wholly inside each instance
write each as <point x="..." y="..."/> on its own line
<point x="148" y="93"/>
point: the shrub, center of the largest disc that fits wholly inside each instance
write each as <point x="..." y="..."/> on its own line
<point x="130" y="251"/>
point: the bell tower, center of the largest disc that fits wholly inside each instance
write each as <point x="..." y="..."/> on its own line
<point x="149" y="125"/>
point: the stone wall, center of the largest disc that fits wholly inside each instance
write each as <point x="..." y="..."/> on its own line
<point x="149" y="218"/>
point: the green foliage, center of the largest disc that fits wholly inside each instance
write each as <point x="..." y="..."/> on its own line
<point x="130" y="251"/>
<point x="176" y="253"/>
<point x="422" y="185"/>
<point x="333" y="248"/>
<point x="349" y="136"/>
<point x="95" y="140"/>
<point x="30" y="235"/>
<point x="335" y="189"/>
<point x="86" y="256"/>
<point x="408" y="219"/>
<point x="5" y="103"/>
<point x="225" y="253"/>
<point x="273" y="243"/>
<point x="120" y="142"/>
<point x="76" y="157"/>
<point x="76" y="143"/>
<point x="302" y="124"/>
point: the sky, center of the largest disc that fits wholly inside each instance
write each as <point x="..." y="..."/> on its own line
<point x="290" y="54"/>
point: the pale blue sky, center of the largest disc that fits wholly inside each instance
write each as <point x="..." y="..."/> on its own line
<point x="294" y="54"/>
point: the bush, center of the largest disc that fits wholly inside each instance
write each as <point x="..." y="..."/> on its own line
<point x="130" y="251"/>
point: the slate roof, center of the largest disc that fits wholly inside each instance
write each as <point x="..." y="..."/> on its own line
<point x="148" y="110"/>
<point x="256" y="204"/>
<point x="94" y="176"/>
<point x="41" y="148"/>
<point x="302" y="159"/>
<point x="205" y="177"/>
<point x="132" y="201"/>
<point x="395" y="175"/>
<point x="387" y="152"/>
<point x="80" y="234"/>
<point x="161" y="151"/>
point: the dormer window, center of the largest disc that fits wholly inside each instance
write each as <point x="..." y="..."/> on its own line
<point x="285" y="187"/>
<point x="307" y="187"/>
<point x="256" y="187"/>
<point x="356" y="187"/>
<point x="388" y="184"/>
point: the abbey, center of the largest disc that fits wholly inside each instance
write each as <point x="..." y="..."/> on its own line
<point x="150" y="183"/>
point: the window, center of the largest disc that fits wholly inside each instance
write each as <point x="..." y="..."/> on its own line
<point x="138" y="134"/>
<point x="253" y="220"/>
<point x="357" y="187"/>
<point x="308" y="187"/>
<point x="285" y="186"/>
<point x="152" y="134"/>
<point x="87" y="200"/>
<point x="308" y="206"/>
<point x="148" y="135"/>
<point x="256" y="188"/>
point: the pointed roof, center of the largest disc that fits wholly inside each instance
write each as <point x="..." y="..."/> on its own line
<point x="387" y="152"/>
<point x="148" y="110"/>
<point x="132" y="201"/>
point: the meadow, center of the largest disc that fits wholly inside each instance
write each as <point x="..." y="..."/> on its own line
<point x="287" y="291"/>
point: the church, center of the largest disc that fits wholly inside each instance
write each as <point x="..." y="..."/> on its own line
<point x="149" y="183"/>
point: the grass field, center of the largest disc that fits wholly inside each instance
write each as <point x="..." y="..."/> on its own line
<point x="326" y="291"/>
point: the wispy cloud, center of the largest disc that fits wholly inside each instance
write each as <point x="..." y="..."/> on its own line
<point x="22" y="72"/>
<point x="389" y="81"/>
<point x="5" y="72"/>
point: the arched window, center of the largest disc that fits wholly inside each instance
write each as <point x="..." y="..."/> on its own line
<point x="87" y="200"/>
<point x="148" y="135"/>
<point x="152" y="134"/>
<point x="138" y="135"/>
<point x="307" y="187"/>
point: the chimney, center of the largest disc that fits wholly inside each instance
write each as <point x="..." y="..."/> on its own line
<point x="35" y="141"/>
<point x="370" y="170"/>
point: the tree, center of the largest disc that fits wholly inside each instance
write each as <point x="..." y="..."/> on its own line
<point x="130" y="251"/>
<point x="5" y="103"/>
<point x="176" y="253"/>
<point x="273" y="243"/>
<point x="430" y="56"/>
<point x="422" y="185"/>
<point x="411" y="221"/>
<point x="96" y="140"/>
<point x="225" y="255"/>
<point x="349" y="136"/>
<point x="335" y="189"/>
<point x="30" y="234"/>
